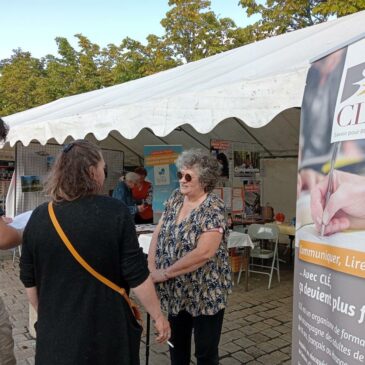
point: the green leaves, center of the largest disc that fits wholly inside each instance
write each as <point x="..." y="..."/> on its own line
<point x="22" y="83"/>
<point x="279" y="17"/>
<point x="193" y="31"/>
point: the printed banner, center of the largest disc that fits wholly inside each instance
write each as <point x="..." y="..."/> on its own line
<point x="161" y="171"/>
<point x="329" y="295"/>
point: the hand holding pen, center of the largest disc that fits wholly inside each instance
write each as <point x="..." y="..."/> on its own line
<point x="341" y="206"/>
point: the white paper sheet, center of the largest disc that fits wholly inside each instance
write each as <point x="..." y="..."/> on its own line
<point x="21" y="220"/>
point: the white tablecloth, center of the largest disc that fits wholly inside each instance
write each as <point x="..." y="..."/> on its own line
<point x="144" y="241"/>
<point x="239" y="239"/>
<point x="236" y="239"/>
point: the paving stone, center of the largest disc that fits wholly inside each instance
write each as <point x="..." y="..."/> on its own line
<point x="272" y="322"/>
<point x="229" y="361"/>
<point x="278" y="343"/>
<point x="258" y="338"/>
<point x="233" y="325"/>
<point x="255" y="352"/>
<point x="267" y="348"/>
<point x="244" y="342"/>
<point x="253" y="318"/>
<point x="286" y="350"/>
<point x="275" y="358"/>
<point x="271" y="333"/>
<point x="249" y="330"/>
<point x="242" y="356"/>
<point x="229" y="347"/>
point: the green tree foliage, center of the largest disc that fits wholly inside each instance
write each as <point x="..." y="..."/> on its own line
<point x="138" y="60"/>
<point x="193" y="31"/>
<point x="340" y="7"/>
<point x="22" y="83"/>
<point x="74" y="71"/>
<point x="277" y="17"/>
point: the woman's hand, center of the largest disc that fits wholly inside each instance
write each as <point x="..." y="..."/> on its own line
<point x="6" y="220"/>
<point x="163" y="329"/>
<point x="159" y="276"/>
<point x="345" y="207"/>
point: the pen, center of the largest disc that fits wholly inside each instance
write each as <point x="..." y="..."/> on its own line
<point x="330" y="181"/>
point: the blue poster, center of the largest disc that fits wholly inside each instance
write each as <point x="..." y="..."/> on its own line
<point x="161" y="171"/>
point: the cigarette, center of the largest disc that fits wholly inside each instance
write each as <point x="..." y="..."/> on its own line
<point x="170" y="344"/>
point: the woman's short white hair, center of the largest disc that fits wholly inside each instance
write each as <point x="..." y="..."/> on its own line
<point x="132" y="177"/>
<point x="207" y="166"/>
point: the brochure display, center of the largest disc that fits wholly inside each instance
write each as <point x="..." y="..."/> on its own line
<point x="329" y="296"/>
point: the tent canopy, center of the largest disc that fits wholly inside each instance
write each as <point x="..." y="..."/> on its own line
<point x="228" y="95"/>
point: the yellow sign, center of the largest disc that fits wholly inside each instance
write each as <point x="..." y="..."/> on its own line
<point x="336" y="258"/>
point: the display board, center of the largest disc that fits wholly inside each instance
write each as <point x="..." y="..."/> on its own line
<point x="161" y="171"/>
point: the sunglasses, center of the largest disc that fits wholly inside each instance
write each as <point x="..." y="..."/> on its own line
<point x="180" y="175"/>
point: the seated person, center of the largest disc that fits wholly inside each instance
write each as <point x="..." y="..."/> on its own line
<point x="123" y="192"/>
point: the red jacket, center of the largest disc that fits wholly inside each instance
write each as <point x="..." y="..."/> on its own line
<point x="144" y="192"/>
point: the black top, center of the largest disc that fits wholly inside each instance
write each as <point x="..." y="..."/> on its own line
<point x="81" y="320"/>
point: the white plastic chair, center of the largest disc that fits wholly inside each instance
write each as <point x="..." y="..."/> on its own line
<point x="260" y="233"/>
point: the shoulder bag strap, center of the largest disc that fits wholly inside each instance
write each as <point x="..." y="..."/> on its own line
<point x="85" y="265"/>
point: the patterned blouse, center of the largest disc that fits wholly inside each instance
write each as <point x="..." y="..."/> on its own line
<point x="204" y="291"/>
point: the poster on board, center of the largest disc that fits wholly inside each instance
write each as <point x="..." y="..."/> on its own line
<point x="252" y="197"/>
<point x="161" y="171"/>
<point x="222" y="151"/>
<point x="238" y="201"/>
<point x="31" y="183"/>
<point x="246" y="163"/>
<point x="329" y="279"/>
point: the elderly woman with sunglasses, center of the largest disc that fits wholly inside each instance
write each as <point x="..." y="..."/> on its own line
<point x="188" y="259"/>
<point x="81" y="320"/>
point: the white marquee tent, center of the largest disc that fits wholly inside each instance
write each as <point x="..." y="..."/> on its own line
<point x="254" y="84"/>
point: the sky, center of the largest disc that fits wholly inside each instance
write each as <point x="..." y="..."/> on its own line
<point x="32" y="25"/>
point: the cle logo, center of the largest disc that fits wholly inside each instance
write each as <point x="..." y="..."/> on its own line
<point x="352" y="99"/>
<point x="354" y="82"/>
